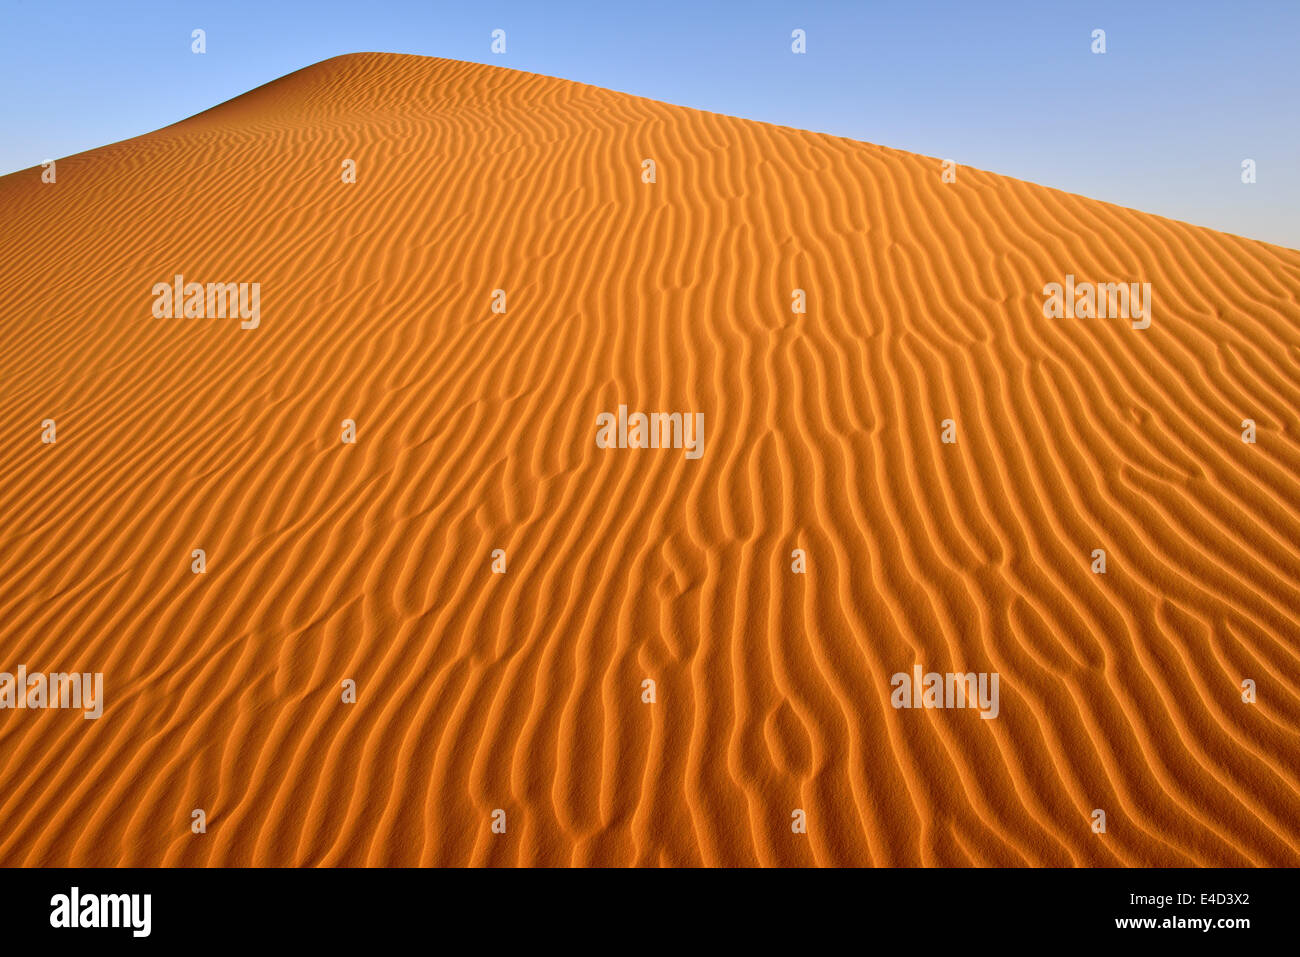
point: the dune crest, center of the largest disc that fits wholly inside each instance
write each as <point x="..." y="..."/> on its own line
<point x="500" y="587"/>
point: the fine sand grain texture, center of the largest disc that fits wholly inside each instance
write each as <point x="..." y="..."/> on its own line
<point x="476" y="431"/>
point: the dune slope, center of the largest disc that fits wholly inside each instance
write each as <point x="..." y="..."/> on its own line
<point x="523" y="691"/>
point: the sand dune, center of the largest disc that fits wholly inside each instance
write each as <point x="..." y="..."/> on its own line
<point x="522" y="691"/>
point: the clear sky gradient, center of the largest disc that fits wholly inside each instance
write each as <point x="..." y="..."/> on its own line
<point x="1161" y="122"/>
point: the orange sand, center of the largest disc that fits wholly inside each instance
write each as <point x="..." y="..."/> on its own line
<point x="476" y="431"/>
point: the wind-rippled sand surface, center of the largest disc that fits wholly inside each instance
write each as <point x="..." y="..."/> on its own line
<point x="476" y="431"/>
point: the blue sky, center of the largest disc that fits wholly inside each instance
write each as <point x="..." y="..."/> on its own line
<point x="1160" y="122"/>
